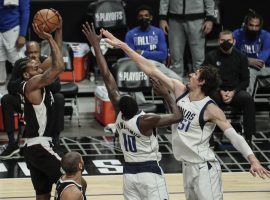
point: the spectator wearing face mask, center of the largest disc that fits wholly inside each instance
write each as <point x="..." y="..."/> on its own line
<point x="254" y="42"/>
<point x="147" y="40"/>
<point x="234" y="73"/>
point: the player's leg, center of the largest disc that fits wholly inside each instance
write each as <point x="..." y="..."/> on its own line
<point x="196" y="41"/>
<point x="177" y="40"/>
<point x="13" y="53"/>
<point x="129" y="187"/>
<point x="39" y="179"/>
<point x="10" y="104"/>
<point x="208" y="183"/>
<point x="244" y="101"/>
<point x="47" y="164"/>
<point x="189" y="175"/>
<point x="152" y="186"/>
<point x="3" y="58"/>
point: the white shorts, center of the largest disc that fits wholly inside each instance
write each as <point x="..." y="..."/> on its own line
<point x="145" y="186"/>
<point x="8" y="50"/>
<point x="202" y="181"/>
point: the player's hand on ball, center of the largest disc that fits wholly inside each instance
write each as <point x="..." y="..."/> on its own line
<point x="41" y="33"/>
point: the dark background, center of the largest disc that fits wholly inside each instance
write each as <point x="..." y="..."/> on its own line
<point x="73" y="13"/>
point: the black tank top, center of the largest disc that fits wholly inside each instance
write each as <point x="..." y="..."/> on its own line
<point x="32" y="121"/>
<point x="62" y="185"/>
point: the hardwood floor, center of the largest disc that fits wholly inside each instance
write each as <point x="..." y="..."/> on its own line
<point x="236" y="186"/>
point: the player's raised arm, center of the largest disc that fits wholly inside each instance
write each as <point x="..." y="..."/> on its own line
<point x="216" y="115"/>
<point x="109" y="80"/>
<point x="150" y="121"/>
<point x="58" y="38"/>
<point x="146" y="65"/>
<point x="43" y="79"/>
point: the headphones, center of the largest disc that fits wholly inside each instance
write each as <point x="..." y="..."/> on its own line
<point x="251" y="15"/>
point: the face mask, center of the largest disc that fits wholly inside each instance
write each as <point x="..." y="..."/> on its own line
<point x="251" y="35"/>
<point x="226" y="46"/>
<point x="144" y="23"/>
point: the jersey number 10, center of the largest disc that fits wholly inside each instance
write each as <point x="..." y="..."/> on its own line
<point x="130" y="143"/>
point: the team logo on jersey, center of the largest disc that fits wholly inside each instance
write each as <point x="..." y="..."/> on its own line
<point x="185" y="123"/>
<point x="122" y="125"/>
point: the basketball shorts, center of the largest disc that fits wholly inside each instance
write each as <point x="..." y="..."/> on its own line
<point x="202" y="181"/>
<point x="44" y="165"/>
<point x="144" y="181"/>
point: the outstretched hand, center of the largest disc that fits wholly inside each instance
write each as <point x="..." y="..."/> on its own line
<point x="40" y="32"/>
<point x="159" y="87"/>
<point x="115" y="42"/>
<point x="91" y="35"/>
<point x="258" y="169"/>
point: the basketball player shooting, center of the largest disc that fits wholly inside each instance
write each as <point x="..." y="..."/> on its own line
<point x="190" y="138"/>
<point x="43" y="163"/>
<point x="143" y="177"/>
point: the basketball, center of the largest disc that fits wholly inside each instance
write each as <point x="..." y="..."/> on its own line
<point x="47" y="18"/>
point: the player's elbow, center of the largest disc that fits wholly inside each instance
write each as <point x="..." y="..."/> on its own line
<point x="60" y="66"/>
<point x="178" y="117"/>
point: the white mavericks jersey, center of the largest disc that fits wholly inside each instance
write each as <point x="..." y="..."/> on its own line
<point x="190" y="138"/>
<point x="136" y="147"/>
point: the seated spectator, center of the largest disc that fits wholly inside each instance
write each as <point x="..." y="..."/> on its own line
<point x="147" y="40"/>
<point x="11" y="102"/>
<point x="254" y="42"/>
<point x="71" y="185"/>
<point x="150" y="42"/>
<point x="233" y="69"/>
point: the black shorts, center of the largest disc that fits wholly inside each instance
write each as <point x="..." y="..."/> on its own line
<point x="44" y="167"/>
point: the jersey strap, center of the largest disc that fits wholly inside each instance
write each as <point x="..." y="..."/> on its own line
<point x="201" y="120"/>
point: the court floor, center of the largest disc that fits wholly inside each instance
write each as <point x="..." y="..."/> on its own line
<point x="236" y="186"/>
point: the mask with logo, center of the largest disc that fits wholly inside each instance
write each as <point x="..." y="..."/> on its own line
<point x="251" y="35"/>
<point x="144" y="23"/>
<point x="226" y="46"/>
